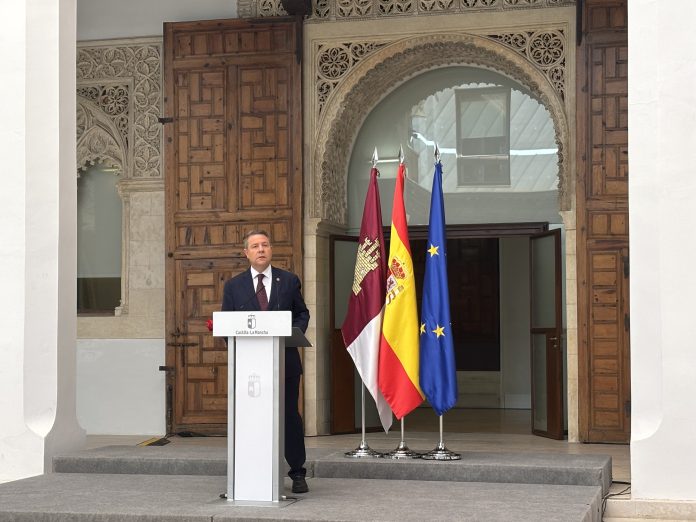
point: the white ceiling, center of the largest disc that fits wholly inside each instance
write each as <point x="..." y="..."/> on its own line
<point x="103" y="19"/>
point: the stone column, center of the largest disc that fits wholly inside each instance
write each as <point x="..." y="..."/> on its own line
<point x="38" y="209"/>
<point x="317" y="360"/>
<point x="662" y="192"/>
<point x="571" y="330"/>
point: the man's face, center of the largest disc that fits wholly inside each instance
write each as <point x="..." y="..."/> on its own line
<point x="259" y="252"/>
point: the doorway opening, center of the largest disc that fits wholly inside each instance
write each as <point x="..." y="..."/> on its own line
<point x="505" y="286"/>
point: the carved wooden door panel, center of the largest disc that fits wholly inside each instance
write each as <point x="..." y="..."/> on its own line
<point x="607" y="333"/>
<point x="233" y="142"/>
<point x="602" y="203"/>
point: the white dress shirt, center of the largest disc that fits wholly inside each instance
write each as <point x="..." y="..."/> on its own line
<point x="267" y="280"/>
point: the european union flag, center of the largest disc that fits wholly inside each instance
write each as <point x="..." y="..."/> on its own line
<point x="438" y="372"/>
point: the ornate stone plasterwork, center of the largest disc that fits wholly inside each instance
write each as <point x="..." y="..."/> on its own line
<point x="333" y="63"/>
<point x="103" y="125"/>
<point x="114" y="101"/>
<point x="260" y="8"/>
<point x="119" y="101"/>
<point x="139" y="65"/>
<point x="389" y="65"/>
<point x="546" y="49"/>
<point x="361" y="9"/>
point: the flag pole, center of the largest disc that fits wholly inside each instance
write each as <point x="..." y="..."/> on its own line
<point x="439" y="350"/>
<point x="441" y="452"/>
<point x="402" y="451"/>
<point x="363" y="450"/>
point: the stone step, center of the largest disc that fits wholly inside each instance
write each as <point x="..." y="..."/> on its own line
<point x="625" y="509"/>
<point x="521" y="468"/>
<point x="146" y="460"/>
<point x="93" y="497"/>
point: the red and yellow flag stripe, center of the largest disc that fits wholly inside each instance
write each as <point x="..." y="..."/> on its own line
<point x="398" y="352"/>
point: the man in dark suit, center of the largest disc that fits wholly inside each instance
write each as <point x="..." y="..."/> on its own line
<point x="263" y="287"/>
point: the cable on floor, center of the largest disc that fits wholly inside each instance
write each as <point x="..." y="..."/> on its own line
<point x="627" y="489"/>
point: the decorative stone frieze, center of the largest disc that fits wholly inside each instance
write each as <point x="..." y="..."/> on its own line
<point x="346" y="93"/>
<point x="322" y="9"/>
<point x="260" y="8"/>
<point x="545" y="49"/>
<point x="364" y="9"/>
<point x="361" y="9"/>
<point x="124" y="80"/>
<point x="394" y="7"/>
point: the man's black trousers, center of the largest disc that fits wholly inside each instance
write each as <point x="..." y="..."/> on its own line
<point x="294" y="431"/>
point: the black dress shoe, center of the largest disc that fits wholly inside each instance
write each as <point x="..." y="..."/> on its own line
<point x="299" y="485"/>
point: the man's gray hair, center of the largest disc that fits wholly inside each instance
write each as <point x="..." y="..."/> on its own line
<point x="255" y="233"/>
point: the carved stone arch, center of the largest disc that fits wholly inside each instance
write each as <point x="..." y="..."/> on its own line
<point x="384" y="70"/>
<point x="98" y="139"/>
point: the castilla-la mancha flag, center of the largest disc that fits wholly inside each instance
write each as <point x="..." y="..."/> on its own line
<point x="362" y="325"/>
<point x="398" y="350"/>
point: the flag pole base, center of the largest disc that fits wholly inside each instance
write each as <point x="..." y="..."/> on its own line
<point x="402" y="452"/>
<point x="441" y="453"/>
<point x="363" y="451"/>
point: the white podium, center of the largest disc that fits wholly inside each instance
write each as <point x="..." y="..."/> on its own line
<point x="256" y="402"/>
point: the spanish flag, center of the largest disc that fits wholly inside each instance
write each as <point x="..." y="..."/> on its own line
<point x="398" y="351"/>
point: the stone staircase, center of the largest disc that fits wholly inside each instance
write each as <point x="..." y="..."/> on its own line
<point x="182" y="483"/>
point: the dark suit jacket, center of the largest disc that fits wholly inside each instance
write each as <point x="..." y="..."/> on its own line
<point x="286" y="294"/>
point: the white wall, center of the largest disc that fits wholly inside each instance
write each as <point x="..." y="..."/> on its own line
<point x="102" y="19"/>
<point x="662" y="192"/>
<point x="514" y="323"/>
<point x="120" y="390"/>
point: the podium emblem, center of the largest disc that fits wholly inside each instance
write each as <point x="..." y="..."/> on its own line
<point x="254" y="386"/>
<point x="251" y="321"/>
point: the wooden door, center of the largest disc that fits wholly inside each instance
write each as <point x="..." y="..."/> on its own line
<point x="233" y="142"/>
<point x="602" y="224"/>
<point x="474" y="299"/>
<point x="545" y="334"/>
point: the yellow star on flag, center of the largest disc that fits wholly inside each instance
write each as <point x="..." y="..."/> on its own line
<point x="433" y="250"/>
<point x="439" y="330"/>
<point x="422" y="328"/>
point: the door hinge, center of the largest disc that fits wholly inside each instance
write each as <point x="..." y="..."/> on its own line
<point x="166" y="368"/>
<point x="627" y="322"/>
<point x="626" y="266"/>
<point x="165" y="119"/>
<point x="627" y="408"/>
